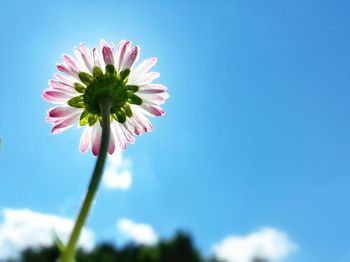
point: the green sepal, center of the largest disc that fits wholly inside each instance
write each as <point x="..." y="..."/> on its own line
<point x="85" y="78"/>
<point x="123" y="75"/>
<point x="134" y="99"/>
<point x="110" y="69"/>
<point x="92" y="119"/>
<point x="84" y="118"/>
<point x="119" y="116"/>
<point x="97" y="72"/>
<point x="127" y="110"/>
<point x="77" y="102"/>
<point x="79" y="87"/>
<point x="132" y="88"/>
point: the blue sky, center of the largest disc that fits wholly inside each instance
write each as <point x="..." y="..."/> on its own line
<point x="256" y="131"/>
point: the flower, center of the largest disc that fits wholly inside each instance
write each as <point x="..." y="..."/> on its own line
<point x="99" y="74"/>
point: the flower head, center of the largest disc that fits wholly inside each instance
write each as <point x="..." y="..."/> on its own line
<point x="104" y="74"/>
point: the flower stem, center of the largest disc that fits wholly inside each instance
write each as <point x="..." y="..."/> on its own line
<point x="69" y="251"/>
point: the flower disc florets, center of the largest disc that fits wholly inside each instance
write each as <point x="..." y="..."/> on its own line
<point x="105" y="76"/>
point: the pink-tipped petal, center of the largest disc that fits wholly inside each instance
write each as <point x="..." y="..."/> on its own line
<point x="65" y="124"/>
<point x="58" y="94"/>
<point x="84" y="57"/>
<point x="65" y="69"/>
<point x="65" y="80"/>
<point x="118" y="134"/>
<point x="132" y="127"/>
<point x="107" y="53"/>
<point x="132" y="58"/>
<point x="140" y="118"/>
<point x="61" y="111"/>
<point x="152" y="89"/>
<point x="71" y="63"/>
<point x="56" y="85"/>
<point x="118" y="53"/>
<point x="96" y="139"/>
<point x="152" y="110"/>
<point x="85" y="139"/>
<point x="154" y="99"/>
<point x="124" y="49"/>
<point x="128" y="135"/>
<point x="111" y="146"/>
<point x="55" y="97"/>
<point x="103" y="43"/>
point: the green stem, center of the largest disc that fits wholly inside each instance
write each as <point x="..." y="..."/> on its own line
<point x="69" y="251"/>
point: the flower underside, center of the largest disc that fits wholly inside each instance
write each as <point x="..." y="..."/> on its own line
<point x="105" y="77"/>
<point x="100" y="87"/>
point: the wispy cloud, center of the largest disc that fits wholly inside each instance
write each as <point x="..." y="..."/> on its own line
<point x="268" y="243"/>
<point x="23" y="228"/>
<point x="139" y="233"/>
<point x="117" y="174"/>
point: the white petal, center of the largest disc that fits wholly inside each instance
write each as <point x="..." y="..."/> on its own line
<point x="154" y="99"/>
<point x="85" y="139"/>
<point x="123" y="52"/>
<point x="84" y="56"/>
<point x="97" y="59"/>
<point x="143" y="79"/>
<point x="118" y="134"/>
<point x="144" y="66"/>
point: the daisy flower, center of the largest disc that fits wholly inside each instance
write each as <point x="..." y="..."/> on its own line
<point x="105" y="72"/>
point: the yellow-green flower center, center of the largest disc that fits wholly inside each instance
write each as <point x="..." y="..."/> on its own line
<point x="111" y="86"/>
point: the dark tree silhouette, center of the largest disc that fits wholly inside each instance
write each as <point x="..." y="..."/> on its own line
<point x="180" y="248"/>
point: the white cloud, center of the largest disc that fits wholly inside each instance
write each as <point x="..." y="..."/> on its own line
<point x="23" y="228"/>
<point x="268" y="243"/>
<point x="117" y="174"/>
<point x="139" y="233"/>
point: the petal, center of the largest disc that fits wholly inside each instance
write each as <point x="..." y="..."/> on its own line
<point x="71" y="63"/>
<point x="84" y="56"/>
<point x="85" y="139"/>
<point x="118" y="134"/>
<point x="131" y="58"/>
<point x="61" y="111"/>
<point x="155" y="99"/>
<point x="58" y="93"/>
<point x="107" y="53"/>
<point x="152" y="110"/>
<point x="65" y="69"/>
<point x="132" y="127"/>
<point x="124" y="49"/>
<point x="152" y="89"/>
<point x="56" y="85"/>
<point x="96" y="138"/>
<point x="144" y="66"/>
<point x="140" y="118"/>
<point x="143" y="79"/>
<point x="56" y="97"/>
<point x="118" y="54"/>
<point x="111" y="145"/>
<point x="97" y="60"/>
<point x="103" y="43"/>
<point x="65" y="80"/>
<point x="65" y="124"/>
<point x="128" y="135"/>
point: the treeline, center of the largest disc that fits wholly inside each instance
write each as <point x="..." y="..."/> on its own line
<point x="180" y="248"/>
